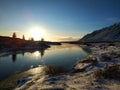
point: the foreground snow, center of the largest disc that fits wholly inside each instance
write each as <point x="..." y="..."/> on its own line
<point x="83" y="75"/>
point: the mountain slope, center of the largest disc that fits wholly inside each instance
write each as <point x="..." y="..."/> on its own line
<point x="111" y="33"/>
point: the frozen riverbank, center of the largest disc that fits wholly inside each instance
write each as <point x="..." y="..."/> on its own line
<point x="100" y="70"/>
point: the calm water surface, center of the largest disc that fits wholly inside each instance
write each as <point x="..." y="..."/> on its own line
<point x="64" y="56"/>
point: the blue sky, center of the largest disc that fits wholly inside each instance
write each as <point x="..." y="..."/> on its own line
<point x="61" y="19"/>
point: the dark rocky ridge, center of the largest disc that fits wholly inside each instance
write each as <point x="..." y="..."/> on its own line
<point x="109" y="34"/>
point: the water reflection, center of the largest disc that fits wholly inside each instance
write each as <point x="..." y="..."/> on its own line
<point x="14" y="57"/>
<point x="23" y="53"/>
<point x="85" y="48"/>
<point x="42" y="52"/>
<point x="39" y="53"/>
<point x="35" y="53"/>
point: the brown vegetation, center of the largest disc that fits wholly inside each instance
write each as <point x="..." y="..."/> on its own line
<point x="52" y="71"/>
<point x="110" y="72"/>
<point x="105" y="57"/>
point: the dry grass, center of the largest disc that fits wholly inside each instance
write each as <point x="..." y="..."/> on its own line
<point x="53" y="71"/>
<point x="110" y="72"/>
<point x="105" y="57"/>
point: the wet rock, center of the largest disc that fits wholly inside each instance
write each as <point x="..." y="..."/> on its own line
<point x="21" y="82"/>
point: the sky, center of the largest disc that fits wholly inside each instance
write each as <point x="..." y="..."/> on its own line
<point x="60" y="20"/>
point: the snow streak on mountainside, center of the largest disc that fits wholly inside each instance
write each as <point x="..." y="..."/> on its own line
<point x="111" y="33"/>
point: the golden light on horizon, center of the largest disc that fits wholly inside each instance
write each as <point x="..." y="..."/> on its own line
<point x="37" y="33"/>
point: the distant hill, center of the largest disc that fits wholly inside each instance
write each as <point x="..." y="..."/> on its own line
<point x="109" y="34"/>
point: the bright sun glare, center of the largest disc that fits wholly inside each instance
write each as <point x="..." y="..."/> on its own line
<point x="37" y="33"/>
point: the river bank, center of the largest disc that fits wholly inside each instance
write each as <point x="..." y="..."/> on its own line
<point x="100" y="70"/>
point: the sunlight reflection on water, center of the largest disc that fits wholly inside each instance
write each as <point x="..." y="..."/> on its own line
<point x="36" y="53"/>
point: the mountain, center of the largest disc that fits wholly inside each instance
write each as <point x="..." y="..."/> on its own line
<point x="107" y="34"/>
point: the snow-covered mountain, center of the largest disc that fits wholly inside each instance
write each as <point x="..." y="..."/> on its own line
<point x="111" y="33"/>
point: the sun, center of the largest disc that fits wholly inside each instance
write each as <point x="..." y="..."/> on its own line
<point x="37" y="33"/>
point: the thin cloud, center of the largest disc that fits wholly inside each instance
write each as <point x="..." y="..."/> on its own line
<point x="14" y="31"/>
<point x="113" y="19"/>
<point x="62" y="38"/>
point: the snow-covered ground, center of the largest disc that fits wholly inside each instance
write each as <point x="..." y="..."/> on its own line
<point x="83" y="76"/>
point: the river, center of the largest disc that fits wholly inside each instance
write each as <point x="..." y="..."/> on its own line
<point x="60" y="56"/>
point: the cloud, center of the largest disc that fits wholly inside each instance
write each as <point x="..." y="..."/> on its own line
<point x="113" y="19"/>
<point x="14" y="31"/>
<point x="67" y="38"/>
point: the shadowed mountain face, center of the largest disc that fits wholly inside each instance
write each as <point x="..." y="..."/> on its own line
<point x="111" y="33"/>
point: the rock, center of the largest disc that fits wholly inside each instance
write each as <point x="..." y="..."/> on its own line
<point x="89" y="59"/>
<point x="85" y="64"/>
